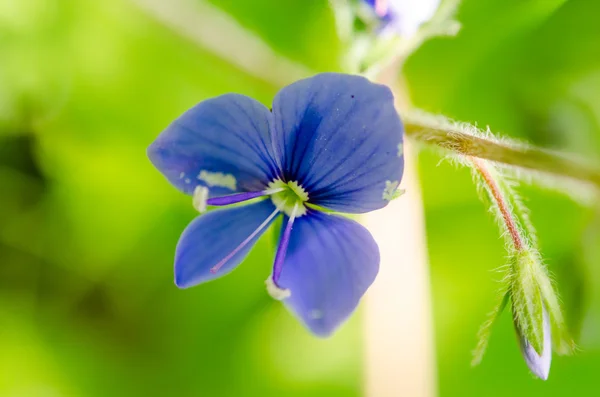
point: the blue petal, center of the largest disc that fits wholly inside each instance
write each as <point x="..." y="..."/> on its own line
<point x="214" y="236"/>
<point x="330" y="263"/>
<point x="227" y="137"/>
<point x="340" y="137"/>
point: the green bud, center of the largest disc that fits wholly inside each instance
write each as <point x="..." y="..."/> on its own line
<point x="537" y="313"/>
<point x="539" y="364"/>
<point x="561" y="339"/>
<point x="527" y="299"/>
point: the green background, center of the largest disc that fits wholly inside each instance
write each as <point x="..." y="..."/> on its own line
<point x="88" y="227"/>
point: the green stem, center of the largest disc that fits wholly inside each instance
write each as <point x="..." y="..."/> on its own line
<point x="458" y="139"/>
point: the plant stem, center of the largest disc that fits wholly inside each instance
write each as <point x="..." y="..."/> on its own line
<point x="454" y="138"/>
<point x="399" y="336"/>
<point x="501" y="203"/>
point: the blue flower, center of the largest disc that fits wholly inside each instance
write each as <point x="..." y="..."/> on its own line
<point x="403" y="17"/>
<point x="332" y="142"/>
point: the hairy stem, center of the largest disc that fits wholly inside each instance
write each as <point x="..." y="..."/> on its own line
<point x="502" y="205"/>
<point x="453" y="137"/>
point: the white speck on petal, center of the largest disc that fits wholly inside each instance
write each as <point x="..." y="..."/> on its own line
<point x="316" y="314"/>
<point x="188" y="180"/>
<point x="400" y="149"/>
<point x="276" y="292"/>
<point x="182" y="175"/>
<point x="389" y="193"/>
<point x="218" y="179"/>
<point x="199" y="198"/>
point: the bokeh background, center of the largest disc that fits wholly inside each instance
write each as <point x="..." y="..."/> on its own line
<point x="88" y="228"/>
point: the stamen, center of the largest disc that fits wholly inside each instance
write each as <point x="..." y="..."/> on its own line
<point x="283" y="245"/>
<point x="275" y="291"/>
<point x="200" y="197"/>
<point x="234" y="198"/>
<point x="201" y="201"/>
<point x="269" y="192"/>
<point x="216" y="267"/>
<point x="240" y="197"/>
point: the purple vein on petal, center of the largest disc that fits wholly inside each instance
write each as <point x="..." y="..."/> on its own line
<point x="237" y="249"/>
<point x="283" y="245"/>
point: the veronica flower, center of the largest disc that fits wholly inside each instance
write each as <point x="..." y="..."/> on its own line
<point x="332" y="142"/>
<point x="403" y="17"/>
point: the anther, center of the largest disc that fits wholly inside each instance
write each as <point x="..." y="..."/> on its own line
<point x="199" y="198"/>
<point x="275" y="291"/>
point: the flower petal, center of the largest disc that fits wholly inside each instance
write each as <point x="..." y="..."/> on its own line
<point x="221" y="237"/>
<point x="223" y="143"/>
<point x="330" y="263"/>
<point x="341" y="139"/>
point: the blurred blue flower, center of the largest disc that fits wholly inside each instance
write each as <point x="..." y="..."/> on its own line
<point x="403" y="17"/>
<point x="332" y="142"/>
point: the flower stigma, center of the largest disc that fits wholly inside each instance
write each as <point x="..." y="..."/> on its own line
<point x="287" y="196"/>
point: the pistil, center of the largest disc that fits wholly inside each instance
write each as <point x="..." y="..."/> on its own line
<point x="292" y="197"/>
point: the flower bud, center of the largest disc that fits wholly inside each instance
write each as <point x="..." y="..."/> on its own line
<point x="536" y="312"/>
<point x="539" y="364"/>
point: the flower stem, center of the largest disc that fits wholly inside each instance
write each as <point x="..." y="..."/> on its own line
<point x="500" y="202"/>
<point x="461" y="139"/>
<point x="399" y="334"/>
